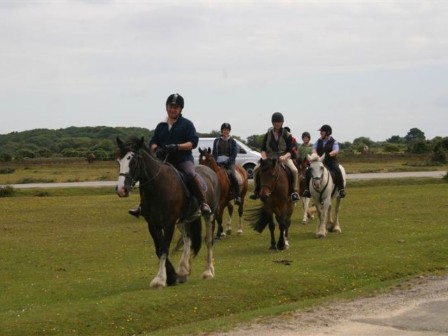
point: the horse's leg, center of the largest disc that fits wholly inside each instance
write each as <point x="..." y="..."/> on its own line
<point x="183" y="270"/>
<point x="282" y="228"/>
<point x="220" y="233"/>
<point x="209" y="271"/>
<point x="229" y="221"/>
<point x="240" y="217"/>
<point x="330" y="223"/>
<point x="336" y="226"/>
<point x="272" y="231"/>
<point x="159" y="280"/>
<point x="321" y="228"/>
<point x="306" y="203"/>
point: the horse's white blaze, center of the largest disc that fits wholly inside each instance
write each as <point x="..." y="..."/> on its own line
<point x="123" y="170"/>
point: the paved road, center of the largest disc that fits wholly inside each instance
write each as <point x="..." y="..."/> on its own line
<point x="365" y="176"/>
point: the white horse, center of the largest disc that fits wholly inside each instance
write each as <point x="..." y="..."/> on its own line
<point x="323" y="189"/>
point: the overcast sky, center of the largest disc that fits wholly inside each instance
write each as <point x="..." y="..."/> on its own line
<point x="367" y="68"/>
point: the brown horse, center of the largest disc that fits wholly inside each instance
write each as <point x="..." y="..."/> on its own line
<point x="227" y="195"/>
<point x="274" y="192"/>
<point x="165" y="204"/>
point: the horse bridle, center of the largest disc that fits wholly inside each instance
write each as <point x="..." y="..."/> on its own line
<point x="321" y="177"/>
<point x="271" y="187"/>
<point x="129" y="176"/>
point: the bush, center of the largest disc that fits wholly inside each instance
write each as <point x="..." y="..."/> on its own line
<point x="7" y="191"/>
<point x="7" y="170"/>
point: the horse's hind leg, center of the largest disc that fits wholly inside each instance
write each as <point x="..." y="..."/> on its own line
<point x="240" y="217"/>
<point x="184" y="266"/>
<point x="209" y="268"/>
<point x="336" y="227"/>
<point x="306" y="204"/>
<point x="229" y="221"/>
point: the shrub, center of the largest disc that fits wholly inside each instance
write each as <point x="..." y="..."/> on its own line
<point x="7" y="170"/>
<point x="7" y="191"/>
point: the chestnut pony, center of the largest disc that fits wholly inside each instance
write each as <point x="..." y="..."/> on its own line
<point x="225" y="200"/>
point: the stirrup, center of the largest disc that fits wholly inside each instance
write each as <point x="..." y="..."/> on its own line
<point x="136" y="212"/>
<point x="295" y="196"/>
<point x="254" y="196"/>
<point x="238" y="200"/>
<point x="205" y="209"/>
<point x="306" y="193"/>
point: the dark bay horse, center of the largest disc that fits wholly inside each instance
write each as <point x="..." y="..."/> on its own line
<point x="167" y="203"/>
<point x="308" y="211"/>
<point x="225" y="200"/>
<point x="274" y="192"/>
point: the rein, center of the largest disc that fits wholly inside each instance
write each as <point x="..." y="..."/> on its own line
<point x="273" y="184"/>
<point x="326" y="185"/>
<point x="137" y="167"/>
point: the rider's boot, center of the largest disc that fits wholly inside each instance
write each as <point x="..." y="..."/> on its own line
<point x="256" y="193"/>
<point x="136" y="212"/>
<point x="236" y="189"/>
<point x="199" y="193"/>
<point x="306" y="193"/>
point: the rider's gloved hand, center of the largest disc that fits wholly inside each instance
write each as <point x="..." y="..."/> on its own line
<point x="171" y="148"/>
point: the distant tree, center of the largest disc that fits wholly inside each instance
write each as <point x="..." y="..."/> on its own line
<point x="440" y="150"/>
<point x="395" y="139"/>
<point x="413" y="135"/>
<point x="255" y="141"/>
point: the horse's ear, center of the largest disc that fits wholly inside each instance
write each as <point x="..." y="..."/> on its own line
<point x="209" y="150"/>
<point x="141" y="143"/>
<point x="200" y="150"/>
<point x="321" y="159"/>
<point x="119" y="142"/>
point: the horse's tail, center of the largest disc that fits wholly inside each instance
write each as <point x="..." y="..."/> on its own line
<point x="195" y="235"/>
<point x="257" y="218"/>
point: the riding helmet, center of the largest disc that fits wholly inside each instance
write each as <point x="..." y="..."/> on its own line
<point x="277" y="117"/>
<point x="226" y="126"/>
<point x="306" y="134"/>
<point x="326" y="128"/>
<point x="175" y="99"/>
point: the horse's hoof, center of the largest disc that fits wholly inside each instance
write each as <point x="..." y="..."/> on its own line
<point x="229" y="232"/>
<point x="208" y="275"/>
<point x="320" y="236"/>
<point x="157" y="285"/>
<point x="223" y="234"/>
<point x="272" y="248"/>
<point x="240" y="232"/>
<point x="182" y="278"/>
<point x="304" y="222"/>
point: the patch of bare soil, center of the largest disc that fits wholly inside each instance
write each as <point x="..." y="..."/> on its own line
<point x="349" y="317"/>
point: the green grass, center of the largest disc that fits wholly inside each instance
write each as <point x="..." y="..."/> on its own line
<point x="73" y="262"/>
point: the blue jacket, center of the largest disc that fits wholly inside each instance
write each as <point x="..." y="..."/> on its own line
<point x="182" y="131"/>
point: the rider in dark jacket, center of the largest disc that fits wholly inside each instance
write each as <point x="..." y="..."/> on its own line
<point x="327" y="145"/>
<point x="225" y="151"/>
<point x="176" y="137"/>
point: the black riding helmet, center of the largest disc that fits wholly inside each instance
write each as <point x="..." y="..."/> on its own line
<point x="175" y="99"/>
<point x="306" y="134"/>
<point x="277" y="117"/>
<point x="226" y="125"/>
<point x="326" y="128"/>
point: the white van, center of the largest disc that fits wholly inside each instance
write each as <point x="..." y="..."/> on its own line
<point x="246" y="158"/>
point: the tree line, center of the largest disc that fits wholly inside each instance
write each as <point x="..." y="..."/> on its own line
<point x="99" y="141"/>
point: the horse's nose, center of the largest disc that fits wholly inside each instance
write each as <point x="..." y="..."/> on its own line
<point x="264" y="197"/>
<point x="122" y="192"/>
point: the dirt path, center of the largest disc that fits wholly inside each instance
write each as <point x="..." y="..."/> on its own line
<point x="418" y="307"/>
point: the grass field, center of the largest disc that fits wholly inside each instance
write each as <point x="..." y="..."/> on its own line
<point x="75" y="263"/>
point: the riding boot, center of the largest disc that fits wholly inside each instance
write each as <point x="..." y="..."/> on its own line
<point x="236" y="189"/>
<point x="256" y="193"/>
<point x="295" y="195"/>
<point x="199" y="193"/>
<point x="136" y="212"/>
<point x="306" y="192"/>
<point x="339" y="181"/>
